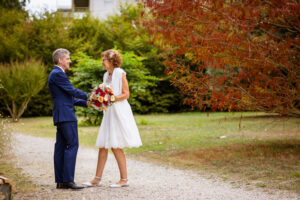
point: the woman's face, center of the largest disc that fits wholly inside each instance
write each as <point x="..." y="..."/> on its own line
<point x="107" y="64"/>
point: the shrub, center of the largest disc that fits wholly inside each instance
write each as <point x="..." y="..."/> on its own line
<point x="20" y="82"/>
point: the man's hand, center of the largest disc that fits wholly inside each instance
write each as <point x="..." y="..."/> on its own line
<point x="93" y="96"/>
<point x="88" y="103"/>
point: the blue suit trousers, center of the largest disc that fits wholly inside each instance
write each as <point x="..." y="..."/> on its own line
<point x="65" y="151"/>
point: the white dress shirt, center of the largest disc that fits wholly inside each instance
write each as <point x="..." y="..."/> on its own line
<point x="61" y="68"/>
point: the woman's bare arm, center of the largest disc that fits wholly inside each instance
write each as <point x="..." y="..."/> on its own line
<point x="125" y="89"/>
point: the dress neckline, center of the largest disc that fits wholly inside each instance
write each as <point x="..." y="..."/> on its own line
<point x="109" y="78"/>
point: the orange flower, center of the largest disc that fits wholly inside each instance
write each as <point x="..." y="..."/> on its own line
<point x="100" y="99"/>
<point x="104" y="108"/>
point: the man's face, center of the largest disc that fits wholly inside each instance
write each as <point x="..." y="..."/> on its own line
<point x="65" y="62"/>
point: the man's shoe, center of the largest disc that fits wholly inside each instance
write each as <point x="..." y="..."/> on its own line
<point x="60" y="186"/>
<point x="72" y="185"/>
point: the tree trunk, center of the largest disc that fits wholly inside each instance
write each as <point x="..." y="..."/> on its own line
<point x="14" y="112"/>
<point x="8" y="108"/>
<point x="23" y="107"/>
<point x="11" y="110"/>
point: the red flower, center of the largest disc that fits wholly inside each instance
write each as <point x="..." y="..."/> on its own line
<point x="96" y="103"/>
<point x="98" y="91"/>
<point x="100" y="95"/>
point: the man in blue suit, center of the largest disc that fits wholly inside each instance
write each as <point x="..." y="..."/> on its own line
<point x="64" y="97"/>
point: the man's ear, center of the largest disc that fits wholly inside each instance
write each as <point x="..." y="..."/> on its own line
<point x="59" y="61"/>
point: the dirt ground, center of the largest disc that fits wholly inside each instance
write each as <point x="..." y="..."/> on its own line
<point x="147" y="181"/>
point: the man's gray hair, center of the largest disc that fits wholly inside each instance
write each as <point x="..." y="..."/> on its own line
<point x="59" y="53"/>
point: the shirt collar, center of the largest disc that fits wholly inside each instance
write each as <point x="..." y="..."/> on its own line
<point x="61" y="68"/>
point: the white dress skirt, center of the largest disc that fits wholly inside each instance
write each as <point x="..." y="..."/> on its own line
<point x="118" y="128"/>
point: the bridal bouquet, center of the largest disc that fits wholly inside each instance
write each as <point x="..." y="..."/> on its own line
<point x="102" y="97"/>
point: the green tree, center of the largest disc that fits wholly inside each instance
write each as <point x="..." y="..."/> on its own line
<point x="14" y="35"/>
<point x="47" y="33"/>
<point x="22" y="37"/>
<point x="126" y="32"/>
<point x="13" y="4"/>
<point x="20" y="82"/>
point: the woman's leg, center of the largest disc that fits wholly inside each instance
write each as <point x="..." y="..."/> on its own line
<point x="102" y="157"/>
<point x="121" y="160"/>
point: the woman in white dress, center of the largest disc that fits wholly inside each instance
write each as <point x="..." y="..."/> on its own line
<point x="118" y="128"/>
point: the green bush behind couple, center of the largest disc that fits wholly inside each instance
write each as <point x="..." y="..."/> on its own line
<point x="22" y="37"/>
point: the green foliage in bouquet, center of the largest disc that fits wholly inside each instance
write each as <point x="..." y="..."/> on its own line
<point x="20" y="82"/>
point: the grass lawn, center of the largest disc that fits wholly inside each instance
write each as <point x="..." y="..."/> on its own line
<point x="244" y="148"/>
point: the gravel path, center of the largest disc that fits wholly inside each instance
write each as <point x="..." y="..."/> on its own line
<point x="147" y="181"/>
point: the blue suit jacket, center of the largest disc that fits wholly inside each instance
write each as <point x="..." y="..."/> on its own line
<point x="63" y="93"/>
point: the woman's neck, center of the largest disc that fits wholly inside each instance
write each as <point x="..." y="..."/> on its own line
<point x="110" y="71"/>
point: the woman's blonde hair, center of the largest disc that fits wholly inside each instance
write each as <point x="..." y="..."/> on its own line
<point x="113" y="56"/>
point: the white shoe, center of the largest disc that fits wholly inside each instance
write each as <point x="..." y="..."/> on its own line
<point x="116" y="185"/>
<point x="89" y="184"/>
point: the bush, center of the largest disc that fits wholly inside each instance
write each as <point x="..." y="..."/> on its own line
<point x="126" y="32"/>
<point x="22" y="37"/>
<point x="88" y="73"/>
<point x="20" y="82"/>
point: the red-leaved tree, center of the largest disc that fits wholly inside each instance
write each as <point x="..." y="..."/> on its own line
<point x="231" y="55"/>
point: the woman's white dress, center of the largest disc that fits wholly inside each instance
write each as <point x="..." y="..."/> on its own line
<point x="118" y="128"/>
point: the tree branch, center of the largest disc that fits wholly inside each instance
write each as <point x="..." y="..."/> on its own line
<point x="23" y="107"/>
<point x="8" y="108"/>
